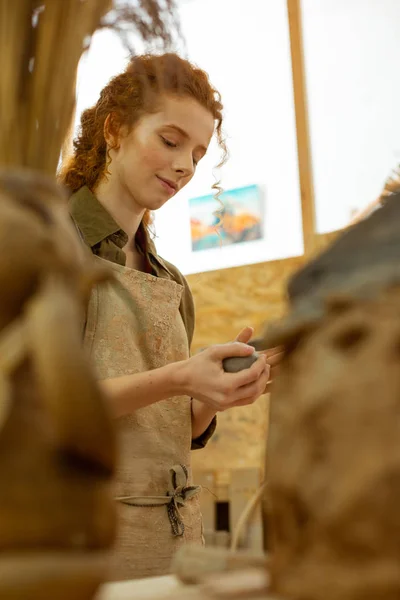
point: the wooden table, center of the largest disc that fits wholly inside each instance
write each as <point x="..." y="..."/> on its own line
<point x="169" y="588"/>
<point x="140" y="589"/>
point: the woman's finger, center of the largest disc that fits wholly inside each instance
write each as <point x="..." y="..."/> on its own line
<point x="252" y="374"/>
<point x="245" y="335"/>
<point x="268" y="352"/>
<point x="252" y="389"/>
<point x="249" y="394"/>
<point x="244" y="402"/>
<point x="273" y="372"/>
<point x="268" y="387"/>
<point x="222" y="351"/>
<point x="276" y="359"/>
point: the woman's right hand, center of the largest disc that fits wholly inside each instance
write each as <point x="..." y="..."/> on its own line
<point x="203" y="377"/>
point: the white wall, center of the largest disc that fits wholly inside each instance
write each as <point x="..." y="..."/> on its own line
<point x="249" y="62"/>
<point x="352" y="50"/>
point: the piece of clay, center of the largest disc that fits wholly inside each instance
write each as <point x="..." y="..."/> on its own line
<point x="235" y="364"/>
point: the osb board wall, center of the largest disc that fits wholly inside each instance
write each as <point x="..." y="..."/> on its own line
<point x="226" y="301"/>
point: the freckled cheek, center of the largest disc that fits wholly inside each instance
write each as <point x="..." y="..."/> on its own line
<point x="154" y="159"/>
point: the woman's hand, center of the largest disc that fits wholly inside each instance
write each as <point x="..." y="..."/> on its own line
<point x="274" y="356"/>
<point x="204" y="378"/>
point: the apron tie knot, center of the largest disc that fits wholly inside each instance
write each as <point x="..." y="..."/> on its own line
<point x="179" y="492"/>
<point x="177" y="495"/>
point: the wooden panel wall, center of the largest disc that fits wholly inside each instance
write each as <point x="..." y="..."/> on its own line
<point x="227" y="301"/>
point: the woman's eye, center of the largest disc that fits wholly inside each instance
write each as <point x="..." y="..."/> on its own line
<point x="168" y="142"/>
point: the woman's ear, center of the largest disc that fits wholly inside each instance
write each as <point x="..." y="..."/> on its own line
<point x="111" y="131"/>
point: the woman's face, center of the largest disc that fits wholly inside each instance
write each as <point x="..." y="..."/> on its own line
<point x="159" y="156"/>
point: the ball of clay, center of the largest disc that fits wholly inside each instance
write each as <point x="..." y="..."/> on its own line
<point x="239" y="363"/>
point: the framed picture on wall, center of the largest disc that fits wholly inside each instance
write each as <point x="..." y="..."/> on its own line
<point x="236" y="219"/>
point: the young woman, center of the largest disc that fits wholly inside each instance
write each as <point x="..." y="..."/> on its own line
<point x="137" y="147"/>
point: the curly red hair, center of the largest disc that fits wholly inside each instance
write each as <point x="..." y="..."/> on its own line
<point x="126" y="98"/>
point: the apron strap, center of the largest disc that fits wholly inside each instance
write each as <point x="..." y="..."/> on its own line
<point x="178" y="493"/>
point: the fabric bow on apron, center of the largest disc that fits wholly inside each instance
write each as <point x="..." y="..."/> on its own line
<point x="175" y="497"/>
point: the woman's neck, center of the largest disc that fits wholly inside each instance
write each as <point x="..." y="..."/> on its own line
<point x="121" y="206"/>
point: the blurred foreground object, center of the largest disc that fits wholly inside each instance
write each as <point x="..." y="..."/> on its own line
<point x="334" y="453"/>
<point x="57" y="447"/>
<point x="192" y="563"/>
<point x="247" y="584"/>
<point x="56" y="437"/>
<point x="41" y="43"/>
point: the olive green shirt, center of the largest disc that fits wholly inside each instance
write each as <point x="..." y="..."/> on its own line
<point x="106" y="239"/>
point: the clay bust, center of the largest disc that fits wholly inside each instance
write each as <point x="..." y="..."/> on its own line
<point x="56" y="439"/>
<point x="334" y="453"/>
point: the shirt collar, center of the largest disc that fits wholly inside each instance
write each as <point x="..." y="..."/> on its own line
<point x="96" y="224"/>
<point x="93" y="220"/>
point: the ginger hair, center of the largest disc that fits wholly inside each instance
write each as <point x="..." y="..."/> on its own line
<point x="126" y="98"/>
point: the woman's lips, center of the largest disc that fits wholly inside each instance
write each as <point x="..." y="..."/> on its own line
<point x="169" y="187"/>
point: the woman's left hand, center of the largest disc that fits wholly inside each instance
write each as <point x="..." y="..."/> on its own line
<point x="202" y="414"/>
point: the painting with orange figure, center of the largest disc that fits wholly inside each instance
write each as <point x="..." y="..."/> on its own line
<point x="236" y="218"/>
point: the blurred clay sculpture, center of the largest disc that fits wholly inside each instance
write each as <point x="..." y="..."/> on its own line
<point x="333" y="493"/>
<point x="56" y="438"/>
<point x="57" y="451"/>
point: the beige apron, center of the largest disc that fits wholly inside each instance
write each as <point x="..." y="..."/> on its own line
<point x="135" y="325"/>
